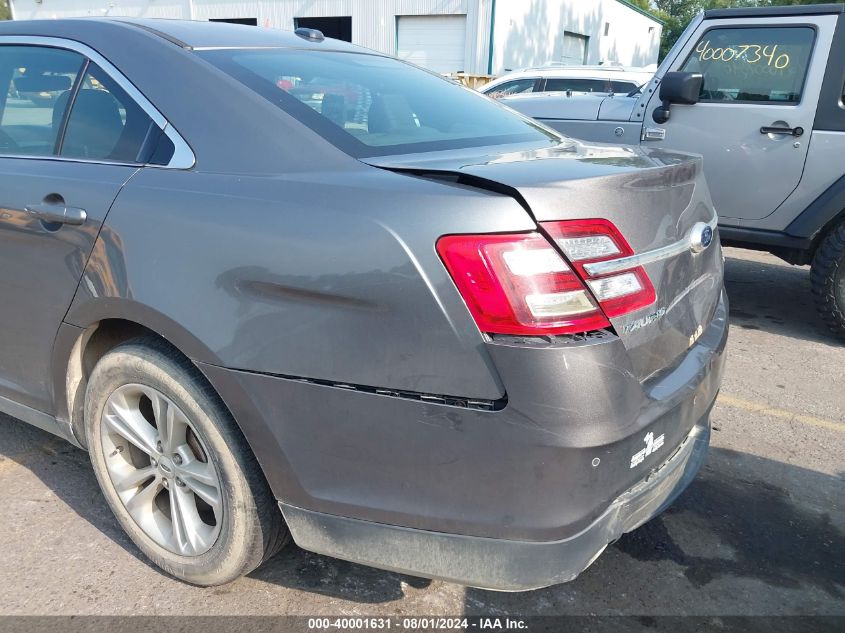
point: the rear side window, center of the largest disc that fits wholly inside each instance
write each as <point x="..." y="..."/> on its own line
<point x="369" y="105"/>
<point x="35" y="83"/>
<point x="104" y="123"/>
<point x="764" y="64"/>
<point x="588" y="85"/>
<point x="514" y="87"/>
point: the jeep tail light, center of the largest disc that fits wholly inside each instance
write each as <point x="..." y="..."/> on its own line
<point x="519" y="284"/>
<point x="586" y="242"/>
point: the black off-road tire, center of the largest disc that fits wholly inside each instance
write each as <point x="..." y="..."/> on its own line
<point x="827" y="276"/>
<point x="252" y="528"/>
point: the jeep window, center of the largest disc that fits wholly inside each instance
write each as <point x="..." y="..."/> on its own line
<point x="756" y="65"/>
<point x="370" y="105"/>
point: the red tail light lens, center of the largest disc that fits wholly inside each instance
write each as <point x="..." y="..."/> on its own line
<point x="519" y="283"/>
<point x="590" y="241"/>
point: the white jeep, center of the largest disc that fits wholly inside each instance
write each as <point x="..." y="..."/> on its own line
<point x="760" y="93"/>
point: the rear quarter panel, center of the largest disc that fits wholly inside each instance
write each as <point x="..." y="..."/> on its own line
<point x="330" y="275"/>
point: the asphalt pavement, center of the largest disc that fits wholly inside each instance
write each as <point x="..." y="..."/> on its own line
<point x="761" y="531"/>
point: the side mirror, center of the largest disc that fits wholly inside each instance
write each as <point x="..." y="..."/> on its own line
<point x="677" y="87"/>
<point x="681" y="87"/>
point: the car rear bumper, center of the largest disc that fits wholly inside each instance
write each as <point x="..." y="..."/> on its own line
<point x="500" y="564"/>
<point x="577" y="457"/>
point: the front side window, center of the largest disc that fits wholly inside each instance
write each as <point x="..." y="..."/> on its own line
<point x="514" y="87"/>
<point x="34" y="84"/>
<point x="369" y="105"/>
<point x="104" y="123"/>
<point x="624" y="87"/>
<point x="764" y="64"/>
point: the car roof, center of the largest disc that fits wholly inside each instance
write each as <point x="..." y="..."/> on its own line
<point x="189" y="34"/>
<point x="579" y="71"/>
<point x="759" y="12"/>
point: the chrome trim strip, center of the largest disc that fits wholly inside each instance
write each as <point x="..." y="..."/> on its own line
<point x="642" y="259"/>
<point x="183" y="156"/>
<point x="237" y="48"/>
<point x="70" y="159"/>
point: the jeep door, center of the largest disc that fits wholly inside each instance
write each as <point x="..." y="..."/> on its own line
<point x="754" y="119"/>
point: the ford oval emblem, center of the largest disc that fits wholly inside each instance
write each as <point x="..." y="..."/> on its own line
<point x="701" y="236"/>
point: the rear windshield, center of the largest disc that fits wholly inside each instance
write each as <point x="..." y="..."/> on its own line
<point x="368" y="105"/>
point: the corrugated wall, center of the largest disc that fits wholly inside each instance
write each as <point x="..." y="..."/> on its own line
<point x="208" y="9"/>
<point x="51" y="9"/>
<point x="531" y="32"/>
<point x="373" y="21"/>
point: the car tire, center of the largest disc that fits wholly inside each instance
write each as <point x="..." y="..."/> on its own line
<point x="827" y="275"/>
<point x="160" y="440"/>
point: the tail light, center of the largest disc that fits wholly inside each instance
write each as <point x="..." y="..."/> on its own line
<point x="587" y="242"/>
<point x="519" y="284"/>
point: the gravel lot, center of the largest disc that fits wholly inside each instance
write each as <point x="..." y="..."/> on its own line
<point x="760" y="532"/>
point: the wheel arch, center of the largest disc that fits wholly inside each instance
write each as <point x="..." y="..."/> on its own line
<point x="94" y="329"/>
<point x="820" y="217"/>
<point x="80" y="344"/>
<point x="827" y="229"/>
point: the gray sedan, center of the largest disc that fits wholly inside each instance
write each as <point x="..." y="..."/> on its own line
<point x="280" y="286"/>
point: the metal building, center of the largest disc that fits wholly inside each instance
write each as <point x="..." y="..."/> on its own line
<point x="473" y="36"/>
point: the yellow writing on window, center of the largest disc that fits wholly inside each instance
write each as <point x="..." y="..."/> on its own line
<point x="750" y="53"/>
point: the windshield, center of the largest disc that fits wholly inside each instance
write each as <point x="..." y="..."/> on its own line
<point x="369" y="105"/>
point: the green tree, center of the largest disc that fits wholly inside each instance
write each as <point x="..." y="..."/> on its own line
<point x="5" y="14"/>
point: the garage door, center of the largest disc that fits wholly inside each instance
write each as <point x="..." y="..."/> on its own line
<point x="436" y="42"/>
<point x="574" y="48"/>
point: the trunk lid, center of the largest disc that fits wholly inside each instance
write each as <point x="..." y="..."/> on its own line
<point x="656" y="199"/>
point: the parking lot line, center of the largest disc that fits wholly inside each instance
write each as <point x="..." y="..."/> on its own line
<point x="783" y="414"/>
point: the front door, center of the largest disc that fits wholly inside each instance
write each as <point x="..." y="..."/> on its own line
<point x="754" y="120"/>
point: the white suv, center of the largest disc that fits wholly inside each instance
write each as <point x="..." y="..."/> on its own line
<point x="560" y="78"/>
<point x="759" y="92"/>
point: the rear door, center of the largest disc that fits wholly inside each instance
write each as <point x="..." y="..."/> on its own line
<point x="70" y="137"/>
<point x="761" y="76"/>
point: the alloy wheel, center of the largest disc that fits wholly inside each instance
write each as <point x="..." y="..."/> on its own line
<point x="161" y="470"/>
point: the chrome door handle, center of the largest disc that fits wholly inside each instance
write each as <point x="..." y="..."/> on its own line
<point x="58" y="214"/>
<point x="792" y="131"/>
